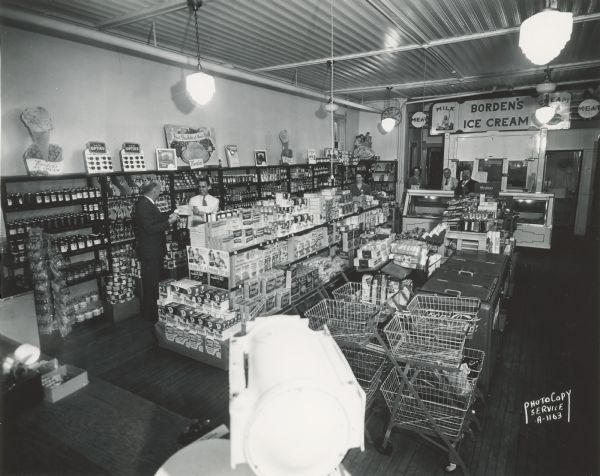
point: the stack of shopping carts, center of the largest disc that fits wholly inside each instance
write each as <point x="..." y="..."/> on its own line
<point x="432" y="387"/>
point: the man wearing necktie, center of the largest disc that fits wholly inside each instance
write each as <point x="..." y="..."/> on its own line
<point x="467" y="185"/>
<point x="449" y="182"/>
<point x="151" y="225"/>
<point x="202" y="204"/>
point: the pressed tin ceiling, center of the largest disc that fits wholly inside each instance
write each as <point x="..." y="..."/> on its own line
<point x="419" y="47"/>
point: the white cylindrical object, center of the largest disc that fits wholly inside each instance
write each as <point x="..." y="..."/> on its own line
<point x="300" y="409"/>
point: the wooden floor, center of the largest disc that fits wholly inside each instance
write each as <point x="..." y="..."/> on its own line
<point x="549" y="345"/>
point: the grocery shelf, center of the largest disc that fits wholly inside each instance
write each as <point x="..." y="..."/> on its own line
<point x="44" y="206"/>
<point x="88" y="278"/>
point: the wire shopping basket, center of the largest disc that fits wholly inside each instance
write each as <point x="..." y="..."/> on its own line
<point x="347" y="321"/>
<point x="455" y="308"/>
<point x="445" y="396"/>
<point x="367" y="365"/>
<point x="353" y="292"/>
<point x="428" y="340"/>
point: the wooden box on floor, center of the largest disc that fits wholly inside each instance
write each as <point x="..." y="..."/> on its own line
<point x="77" y="378"/>
<point x="125" y="310"/>
<point x="213" y="352"/>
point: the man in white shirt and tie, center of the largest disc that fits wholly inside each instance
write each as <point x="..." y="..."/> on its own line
<point x="449" y="182"/>
<point x="202" y="204"/>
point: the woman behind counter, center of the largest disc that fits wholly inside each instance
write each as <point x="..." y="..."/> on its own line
<point x="415" y="180"/>
<point x="360" y="187"/>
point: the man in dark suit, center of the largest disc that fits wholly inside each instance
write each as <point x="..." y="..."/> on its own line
<point x="151" y="224"/>
<point x="467" y="185"/>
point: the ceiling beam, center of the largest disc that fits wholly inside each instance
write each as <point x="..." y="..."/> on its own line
<point x="139" y="15"/>
<point x="470" y="79"/>
<point x="419" y="99"/>
<point x="416" y="46"/>
<point x="85" y="35"/>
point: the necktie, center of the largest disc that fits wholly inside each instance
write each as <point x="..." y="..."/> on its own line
<point x="204" y="200"/>
<point x="447" y="181"/>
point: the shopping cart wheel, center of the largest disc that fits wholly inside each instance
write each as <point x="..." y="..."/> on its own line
<point x="450" y="468"/>
<point x="386" y="450"/>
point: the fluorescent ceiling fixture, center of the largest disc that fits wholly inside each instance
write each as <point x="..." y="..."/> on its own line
<point x="545" y="114"/>
<point x="543" y="35"/>
<point x="200" y="87"/>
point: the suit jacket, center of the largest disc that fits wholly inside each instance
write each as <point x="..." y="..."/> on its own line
<point x="366" y="190"/>
<point x="150" y="224"/>
<point x="466" y="188"/>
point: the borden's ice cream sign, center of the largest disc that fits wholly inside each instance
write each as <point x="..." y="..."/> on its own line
<point x="499" y="114"/>
<point x="41" y="157"/>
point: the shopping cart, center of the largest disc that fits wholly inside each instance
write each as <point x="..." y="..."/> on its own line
<point x="347" y="321"/>
<point x="447" y="396"/>
<point x="353" y="292"/>
<point x="432" y="386"/>
<point x="454" y="308"/>
<point x="367" y="365"/>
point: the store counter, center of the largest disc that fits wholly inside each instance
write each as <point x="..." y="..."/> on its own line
<point x="425" y="209"/>
<point x="484" y="276"/>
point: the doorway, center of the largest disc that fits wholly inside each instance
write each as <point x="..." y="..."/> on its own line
<point x="561" y="177"/>
<point x="434" y="167"/>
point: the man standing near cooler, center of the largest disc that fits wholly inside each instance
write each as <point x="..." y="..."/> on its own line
<point x="151" y="225"/>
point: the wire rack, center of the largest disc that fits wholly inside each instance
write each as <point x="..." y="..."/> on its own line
<point x="445" y="396"/>
<point x="353" y="292"/>
<point x="367" y="365"/>
<point x="347" y="321"/>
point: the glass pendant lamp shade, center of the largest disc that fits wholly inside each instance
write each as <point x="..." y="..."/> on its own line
<point x="388" y="124"/>
<point x="200" y="87"/>
<point x="543" y="35"/>
<point x="544" y="114"/>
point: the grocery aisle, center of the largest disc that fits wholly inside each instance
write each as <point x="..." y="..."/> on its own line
<point x="548" y="346"/>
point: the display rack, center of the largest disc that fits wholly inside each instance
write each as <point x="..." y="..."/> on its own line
<point x="235" y="187"/>
<point x="30" y="202"/>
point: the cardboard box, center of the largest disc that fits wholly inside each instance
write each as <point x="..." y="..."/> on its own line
<point x="77" y="378"/>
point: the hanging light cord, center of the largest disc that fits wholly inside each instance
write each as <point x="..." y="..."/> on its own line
<point x="331" y="89"/>
<point x="196" y="6"/>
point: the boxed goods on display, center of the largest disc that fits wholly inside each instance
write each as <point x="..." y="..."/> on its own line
<point x="121" y="284"/>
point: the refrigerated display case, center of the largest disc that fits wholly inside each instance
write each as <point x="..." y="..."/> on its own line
<point x="425" y="208"/>
<point x="534" y="225"/>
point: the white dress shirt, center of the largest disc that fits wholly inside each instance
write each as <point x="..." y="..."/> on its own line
<point x="205" y="203"/>
<point x="449" y="183"/>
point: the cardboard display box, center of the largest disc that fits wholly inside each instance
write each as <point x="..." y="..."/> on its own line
<point x="78" y="378"/>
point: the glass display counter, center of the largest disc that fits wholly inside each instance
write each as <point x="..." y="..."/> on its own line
<point x="425" y="208"/>
<point x="534" y="225"/>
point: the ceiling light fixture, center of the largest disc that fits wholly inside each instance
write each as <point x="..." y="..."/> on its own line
<point x="545" y="113"/>
<point x="331" y="106"/>
<point x="391" y="114"/>
<point x="199" y="85"/>
<point x="543" y="35"/>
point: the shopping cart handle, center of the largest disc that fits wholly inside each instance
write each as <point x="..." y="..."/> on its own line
<point x="453" y="292"/>
<point x="465" y="271"/>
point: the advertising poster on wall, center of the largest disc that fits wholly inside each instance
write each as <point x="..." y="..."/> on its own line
<point x="195" y="146"/>
<point x="561" y="102"/>
<point x="444" y="117"/>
